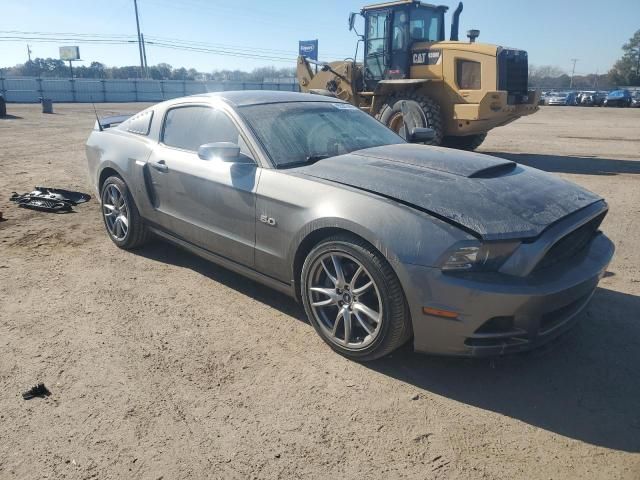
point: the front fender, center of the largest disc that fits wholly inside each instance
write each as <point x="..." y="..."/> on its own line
<point x="401" y="234"/>
<point x="299" y="206"/>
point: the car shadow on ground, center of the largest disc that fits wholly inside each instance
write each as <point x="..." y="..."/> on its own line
<point x="10" y="117"/>
<point x="570" y="164"/>
<point x="165" y="252"/>
<point x="584" y="385"/>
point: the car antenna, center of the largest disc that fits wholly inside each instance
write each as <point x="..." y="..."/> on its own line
<point x="97" y="119"/>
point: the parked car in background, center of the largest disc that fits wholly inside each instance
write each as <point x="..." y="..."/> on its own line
<point x="580" y="97"/>
<point x="381" y="240"/>
<point x="543" y="98"/>
<point x="618" y="98"/>
<point x="587" y="99"/>
<point x="561" y="98"/>
<point x="599" y="98"/>
<point x="635" y="99"/>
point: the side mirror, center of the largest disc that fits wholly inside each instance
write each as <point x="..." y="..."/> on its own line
<point x="352" y="20"/>
<point x="419" y="134"/>
<point x="225" y="151"/>
<point x="415" y="134"/>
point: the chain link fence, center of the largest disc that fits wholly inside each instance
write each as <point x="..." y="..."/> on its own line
<point x="30" y="89"/>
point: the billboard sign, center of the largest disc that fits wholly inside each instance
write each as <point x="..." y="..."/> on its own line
<point x="69" y="53"/>
<point x="308" y="48"/>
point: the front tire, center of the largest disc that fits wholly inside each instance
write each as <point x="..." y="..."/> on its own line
<point x="391" y="114"/>
<point x="120" y="214"/>
<point x="353" y="299"/>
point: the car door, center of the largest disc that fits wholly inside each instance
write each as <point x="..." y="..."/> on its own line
<point x="209" y="203"/>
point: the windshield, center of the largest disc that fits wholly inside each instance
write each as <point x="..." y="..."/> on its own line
<point x="303" y="132"/>
<point x="425" y="25"/>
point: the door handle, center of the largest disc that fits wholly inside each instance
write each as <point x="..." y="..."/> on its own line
<point x="160" y="165"/>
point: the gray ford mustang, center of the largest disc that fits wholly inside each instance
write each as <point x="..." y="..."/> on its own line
<point x="381" y="240"/>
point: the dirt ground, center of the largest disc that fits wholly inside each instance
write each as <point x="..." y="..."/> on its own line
<point x="164" y="366"/>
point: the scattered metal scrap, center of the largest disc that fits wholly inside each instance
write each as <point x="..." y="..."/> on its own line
<point x="50" y="199"/>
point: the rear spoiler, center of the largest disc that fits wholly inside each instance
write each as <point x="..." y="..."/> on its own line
<point x="111" y="121"/>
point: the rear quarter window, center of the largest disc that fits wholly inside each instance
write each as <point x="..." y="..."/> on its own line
<point x="140" y="124"/>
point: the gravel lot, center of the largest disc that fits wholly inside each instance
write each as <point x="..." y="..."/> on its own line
<point x="164" y="366"/>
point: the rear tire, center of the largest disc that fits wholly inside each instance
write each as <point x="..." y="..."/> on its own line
<point x="121" y="218"/>
<point x="367" y="295"/>
<point x="468" y="142"/>
<point x="391" y="113"/>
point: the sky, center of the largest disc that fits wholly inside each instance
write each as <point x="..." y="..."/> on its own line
<point x="553" y="32"/>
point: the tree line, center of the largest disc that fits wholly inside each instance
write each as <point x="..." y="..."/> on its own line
<point x="625" y="72"/>
<point x="547" y="76"/>
<point x="55" y="68"/>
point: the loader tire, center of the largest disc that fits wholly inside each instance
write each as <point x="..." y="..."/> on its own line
<point x="391" y="114"/>
<point x="468" y="142"/>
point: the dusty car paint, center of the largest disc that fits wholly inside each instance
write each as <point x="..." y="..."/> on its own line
<point x="413" y="203"/>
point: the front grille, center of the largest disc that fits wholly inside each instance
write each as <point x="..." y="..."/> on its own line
<point x="571" y="244"/>
<point x="513" y="74"/>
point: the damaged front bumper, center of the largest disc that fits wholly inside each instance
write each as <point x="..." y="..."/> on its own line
<point x="502" y="313"/>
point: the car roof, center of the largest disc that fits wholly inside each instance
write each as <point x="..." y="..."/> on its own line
<point x="242" y="98"/>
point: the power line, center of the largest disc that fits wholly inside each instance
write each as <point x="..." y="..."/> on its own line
<point x="220" y="52"/>
<point x="58" y="40"/>
<point x="168" y="39"/>
<point x="21" y="32"/>
<point x="237" y="47"/>
<point x="169" y="45"/>
<point x="159" y="42"/>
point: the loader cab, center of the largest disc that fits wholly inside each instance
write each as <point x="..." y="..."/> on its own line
<point x="391" y="29"/>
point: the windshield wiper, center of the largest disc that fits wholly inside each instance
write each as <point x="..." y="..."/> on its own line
<point x="310" y="160"/>
<point x="314" y="158"/>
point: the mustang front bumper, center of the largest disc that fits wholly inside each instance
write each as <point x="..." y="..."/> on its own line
<point x="501" y="313"/>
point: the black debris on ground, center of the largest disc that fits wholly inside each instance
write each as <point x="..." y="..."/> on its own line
<point x="48" y="199"/>
<point x="38" y="390"/>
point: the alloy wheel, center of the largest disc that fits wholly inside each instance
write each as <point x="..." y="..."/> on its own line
<point x="345" y="300"/>
<point x="115" y="212"/>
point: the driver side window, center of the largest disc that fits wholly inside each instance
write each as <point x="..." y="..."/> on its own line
<point x="189" y="127"/>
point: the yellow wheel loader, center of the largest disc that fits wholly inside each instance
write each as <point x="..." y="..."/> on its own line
<point x="460" y="89"/>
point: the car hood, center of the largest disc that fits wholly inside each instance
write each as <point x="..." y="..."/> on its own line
<point x="488" y="196"/>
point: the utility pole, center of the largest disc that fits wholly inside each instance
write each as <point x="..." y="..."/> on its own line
<point x="142" y="71"/>
<point x="29" y="52"/>
<point x="573" y="71"/>
<point x="144" y="54"/>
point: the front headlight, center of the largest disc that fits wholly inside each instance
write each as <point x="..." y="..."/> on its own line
<point x="475" y="256"/>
